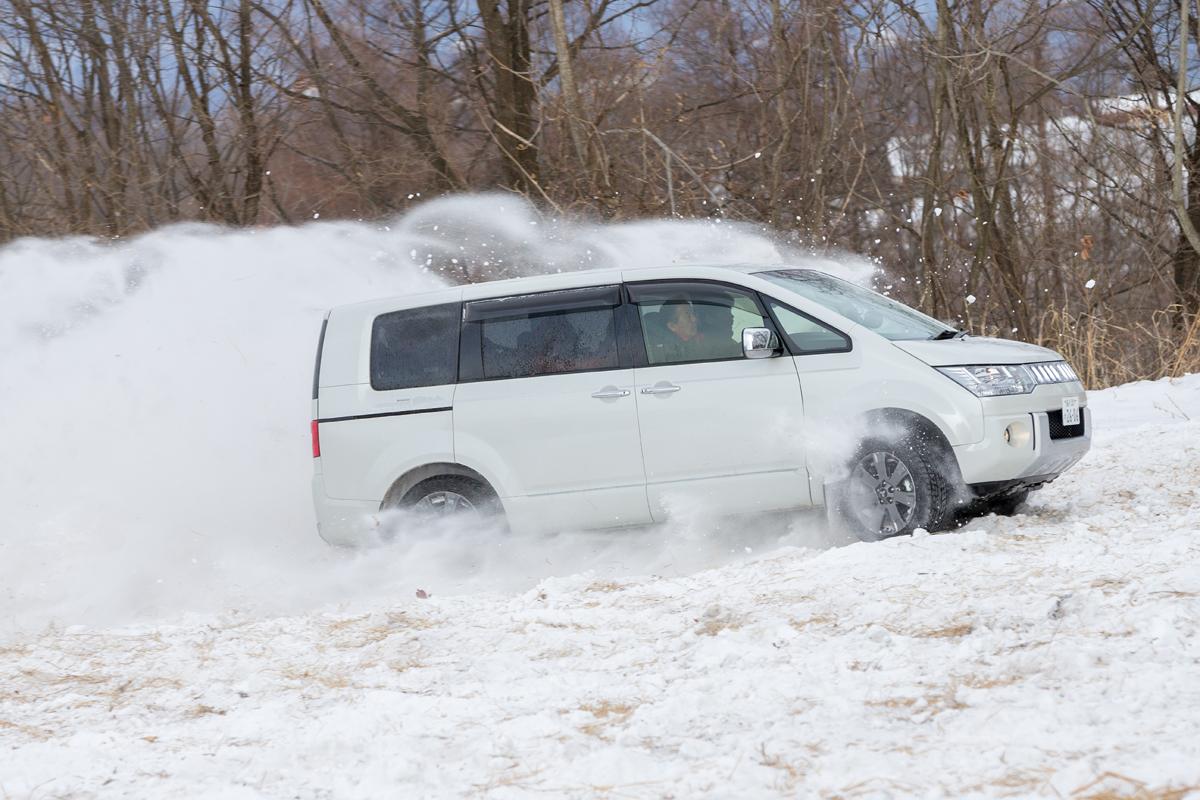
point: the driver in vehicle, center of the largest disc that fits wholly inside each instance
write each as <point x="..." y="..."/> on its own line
<point x="698" y="334"/>
<point x="716" y="323"/>
<point x="686" y="341"/>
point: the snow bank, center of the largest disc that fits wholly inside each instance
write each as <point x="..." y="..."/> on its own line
<point x="156" y="404"/>
<point x="1146" y="403"/>
<point x="1052" y="654"/>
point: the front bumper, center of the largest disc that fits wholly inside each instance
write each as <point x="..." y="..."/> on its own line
<point x="994" y="460"/>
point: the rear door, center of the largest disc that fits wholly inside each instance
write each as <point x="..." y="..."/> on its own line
<point x="720" y="432"/>
<point x="546" y="405"/>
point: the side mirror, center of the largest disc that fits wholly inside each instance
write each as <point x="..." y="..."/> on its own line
<point x="759" y="342"/>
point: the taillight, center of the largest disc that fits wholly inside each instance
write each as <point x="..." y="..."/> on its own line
<point x="316" y="437"/>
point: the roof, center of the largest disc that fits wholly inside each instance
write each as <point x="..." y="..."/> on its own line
<point x="556" y="281"/>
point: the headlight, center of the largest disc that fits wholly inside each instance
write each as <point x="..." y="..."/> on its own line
<point x="992" y="381"/>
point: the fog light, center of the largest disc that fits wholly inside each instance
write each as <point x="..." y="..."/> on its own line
<point x="1018" y="434"/>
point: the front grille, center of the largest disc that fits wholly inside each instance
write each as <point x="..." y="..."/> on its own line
<point x="1060" y="431"/>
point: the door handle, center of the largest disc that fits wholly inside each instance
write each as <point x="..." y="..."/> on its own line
<point x="606" y="394"/>
<point x="661" y="388"/>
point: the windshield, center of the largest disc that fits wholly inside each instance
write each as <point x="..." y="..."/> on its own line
<point x="882" y="315"/>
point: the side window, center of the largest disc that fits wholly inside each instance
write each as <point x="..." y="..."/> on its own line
<point x="805" y="334"/>
<point x="573" y="331"/>
<point x="685" y="322"/>
<point x="415" y="347"/>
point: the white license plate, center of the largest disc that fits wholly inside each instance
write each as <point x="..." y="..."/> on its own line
<point x="1070" y="411"/>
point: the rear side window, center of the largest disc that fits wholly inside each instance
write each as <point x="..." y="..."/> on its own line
<point x="415" y="347"/>
<point x="549" y="343"/>
<point x="547" y="333"/>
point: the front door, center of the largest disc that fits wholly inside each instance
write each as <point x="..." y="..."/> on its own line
<point x="720" y="432"/>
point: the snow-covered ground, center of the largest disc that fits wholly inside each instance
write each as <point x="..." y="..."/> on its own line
<point x="171" y="627"/>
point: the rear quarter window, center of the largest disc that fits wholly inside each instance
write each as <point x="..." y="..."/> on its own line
<point x="415" y="347"/>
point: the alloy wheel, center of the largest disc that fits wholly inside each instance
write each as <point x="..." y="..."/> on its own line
<point x="444" y="503"/>
<point x="883" y="493"/>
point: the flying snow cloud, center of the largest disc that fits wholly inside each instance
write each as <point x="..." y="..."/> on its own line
<point x="156" y="402"/>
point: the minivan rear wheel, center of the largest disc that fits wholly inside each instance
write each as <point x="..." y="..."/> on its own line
<point x="895" y="487"/>
<point x="451" y="496"/>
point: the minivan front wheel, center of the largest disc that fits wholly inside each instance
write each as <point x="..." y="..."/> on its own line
<point x="894" y="488"/>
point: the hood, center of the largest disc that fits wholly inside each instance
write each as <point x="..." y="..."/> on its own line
<point x="976" y="350"/>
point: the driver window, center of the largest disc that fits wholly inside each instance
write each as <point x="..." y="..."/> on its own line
<point x="690" y="322"/>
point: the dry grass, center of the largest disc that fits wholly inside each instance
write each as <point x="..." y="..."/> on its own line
<point x="816" y="619"/>
<point x="949" y="632"/>
<point x="353" y="633"/>
<point x="792" y="774"/>
<point x="944" y="700"/>
<point x="205" y="711"/>
<point x="714" y="626"/>
<point x="976" y="682"/>
<point x="358" y="638"/>
<point x="877" y="787"/>
<point x="128" y="690"/>
<point x="394" y="619"/>
<point x="330" y="679"/>
<point x="68" y="679"/>
<point x="91" y="688"/>
<point x="40" y="734"/>
<point x="567" y="626"/>
<point x="1045" y="514"/>
<point x="604" y="586"/>
<point x="716" y="619"/>
<point x="339" y="625"/>
<point x="555" y="654"/>
<point x="606" y="713"/>
<point x="892" y="702"/>
<point x="1022" y="783"/>
<point x="1115" y="786"/>
<point x="937" y="699"/>
<point x="1108" y="349"/>
<point x="941" y="698"/>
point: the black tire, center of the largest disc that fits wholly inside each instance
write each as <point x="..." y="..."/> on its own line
<point x="481" y="499"/>
<point x="924" y="472"/>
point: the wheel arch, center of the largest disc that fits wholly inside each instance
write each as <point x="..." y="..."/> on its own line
<point x="409" y="480"/>
<point x="909" y="435"/>
<point x="901" y="423"/>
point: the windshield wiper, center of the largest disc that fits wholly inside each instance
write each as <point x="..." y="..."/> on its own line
<point x="949" y="333"/>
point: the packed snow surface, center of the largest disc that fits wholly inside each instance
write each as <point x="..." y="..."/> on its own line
<point x="170" y="626"/>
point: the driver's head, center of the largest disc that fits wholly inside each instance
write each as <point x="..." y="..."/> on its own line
<point x="681" y="319"/>
<point x="715" y="320"/>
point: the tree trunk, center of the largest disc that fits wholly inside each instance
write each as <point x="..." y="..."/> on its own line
<point x="566" y="78"/>
<point x="514" y="124"/>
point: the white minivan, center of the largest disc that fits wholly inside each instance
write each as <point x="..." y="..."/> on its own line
<point x="615" y="398"/>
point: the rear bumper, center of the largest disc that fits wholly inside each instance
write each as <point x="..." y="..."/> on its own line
<point x="348" y="523"/>
<point x="994" y="460"/>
